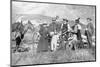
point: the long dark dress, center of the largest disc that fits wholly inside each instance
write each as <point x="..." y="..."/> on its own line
<point x="43" y="44"/>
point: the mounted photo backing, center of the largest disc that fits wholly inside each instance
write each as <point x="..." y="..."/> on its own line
<point x="52" y="33"/>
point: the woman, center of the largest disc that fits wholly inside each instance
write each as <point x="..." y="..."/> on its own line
<point x="43" y="41"/>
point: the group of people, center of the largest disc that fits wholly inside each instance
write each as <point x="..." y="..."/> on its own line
<point x="51" y="40"/>
<point x="67" y="35"/>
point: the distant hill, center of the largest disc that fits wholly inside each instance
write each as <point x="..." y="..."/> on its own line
<point x="31" y="17"/>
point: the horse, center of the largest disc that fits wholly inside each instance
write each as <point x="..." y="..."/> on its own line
<point x="17" y="26"/>
<point x="19" y="31"/>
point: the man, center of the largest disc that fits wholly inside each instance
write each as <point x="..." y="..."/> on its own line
<point x="65" y="29"/>
<point x="17" y="39"/>
<point x="77" y="30"/>
<point x="89" y="31"/>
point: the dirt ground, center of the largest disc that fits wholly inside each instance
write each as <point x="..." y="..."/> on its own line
<point x="31" y="57"/>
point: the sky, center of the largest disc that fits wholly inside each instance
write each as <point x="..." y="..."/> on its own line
<point x="63" y="11"/>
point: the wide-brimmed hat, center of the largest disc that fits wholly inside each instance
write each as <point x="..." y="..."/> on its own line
<point x="89" y="19"/>
<point x="65" y="20"/>
<point x="77" y="20"/>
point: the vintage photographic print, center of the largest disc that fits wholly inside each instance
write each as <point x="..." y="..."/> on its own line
<point x="51" y="33"/>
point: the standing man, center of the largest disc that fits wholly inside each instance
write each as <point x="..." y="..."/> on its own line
<point x="89" y="32"/>
<point x="77" y="30"/>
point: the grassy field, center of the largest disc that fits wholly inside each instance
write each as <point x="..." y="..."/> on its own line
<point x="31" y="57"/>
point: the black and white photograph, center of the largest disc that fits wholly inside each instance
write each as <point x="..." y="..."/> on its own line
<point x="52" y="33"/>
